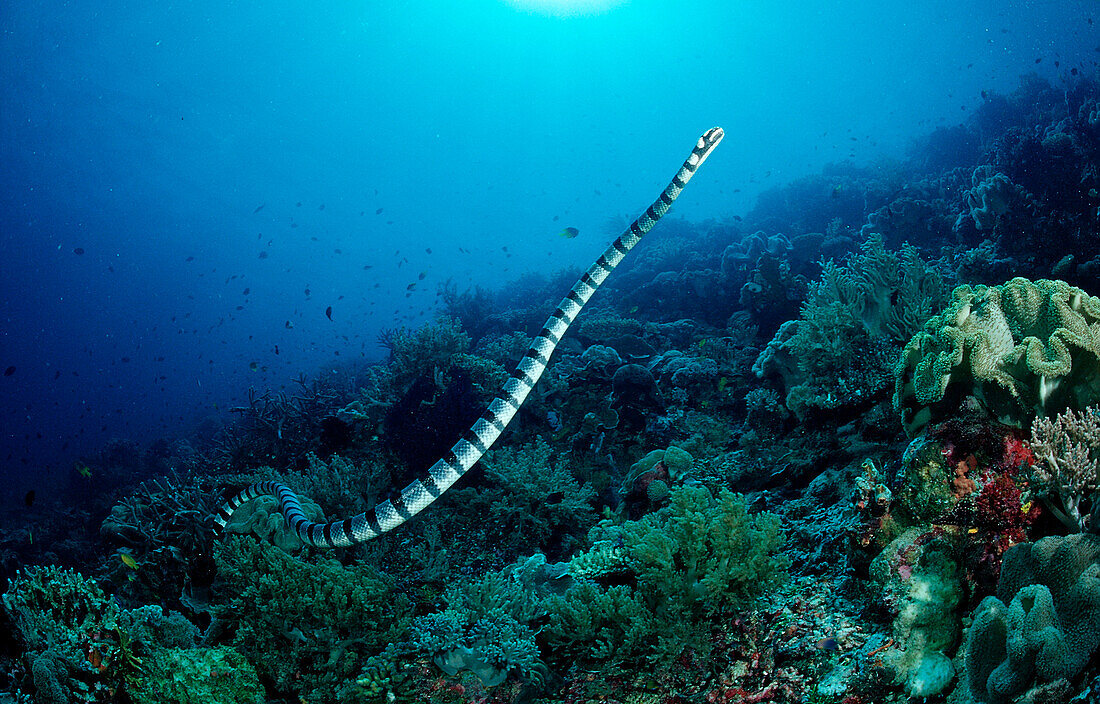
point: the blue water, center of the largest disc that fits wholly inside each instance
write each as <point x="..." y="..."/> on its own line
<point x="158" y="160"/>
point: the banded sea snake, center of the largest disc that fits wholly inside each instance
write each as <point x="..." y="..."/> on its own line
<point x="479" y="438"/>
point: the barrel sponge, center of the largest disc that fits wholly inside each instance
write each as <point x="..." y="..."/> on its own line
<point x="1050" y="627"/>
<point x="1021" y="349"/>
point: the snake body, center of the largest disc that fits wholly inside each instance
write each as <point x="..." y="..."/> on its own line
<point x="418" y="495"/>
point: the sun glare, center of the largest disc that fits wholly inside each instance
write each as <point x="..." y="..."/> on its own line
<point x="566" y="8"/>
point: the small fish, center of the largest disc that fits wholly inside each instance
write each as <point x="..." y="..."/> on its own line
<point x="308" y="292"/>
<point x="128" y="560"/>
<point x="246" y="292"/>
<point x="378" y="212"/>
<point x="289" y="325"/>
<point x="828" y="643"/>
<point x="328" y="312"/>
<point x="78" y="250"/>
<point x="83" y="470"/>
<point x="421" y="276"/>
<point x="28" y="500"/>
<point x="189" y="259"/>
<point x="259" y="208"/>
<point x="254" y="366"/>
<point x="276" y="349"/>
<point x="30" y="536"/>
<point x="569" y="233"/>
<point x="410" y="287"/>
<point x="9" y="371"/>
<point x="263" y="255"/>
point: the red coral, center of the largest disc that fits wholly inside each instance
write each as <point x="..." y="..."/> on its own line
<point x="1017" y="453"/>
<point x="1000" y="512"/>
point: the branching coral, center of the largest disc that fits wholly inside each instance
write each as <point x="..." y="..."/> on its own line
<point x="425" y="351"/>
<point x="1068" y="466"/>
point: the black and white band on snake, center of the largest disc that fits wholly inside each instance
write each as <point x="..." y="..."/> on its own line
<point x="480" y="437"/>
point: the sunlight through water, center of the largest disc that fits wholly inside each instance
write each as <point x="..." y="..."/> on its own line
<point x="566" y="8"/>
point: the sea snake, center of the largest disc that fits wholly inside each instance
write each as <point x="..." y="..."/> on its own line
<point x="480" y="437"/>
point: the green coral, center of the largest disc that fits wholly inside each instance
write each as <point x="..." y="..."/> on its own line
<point x="603" y="558"/>
<point x="840" y="351"/>
<point x="486" y="375"/>
<point x="338" y="484"/>
<point x="308" y="626"/>
<point x="539" y="501"/>
<point x="56" y="607"/>
<point x="1022" y="349"/>
<point x="697" y="557"/>
<point x="608" y="327"/>
<point x="486" y="627"/>
<point x="1043" y="625"/>
<point x="209" y="675"/>
<point x="426" y="351"/>
<point x="71" y="634"/>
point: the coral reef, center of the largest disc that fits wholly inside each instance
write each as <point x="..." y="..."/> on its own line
<point x="708" y="497"/>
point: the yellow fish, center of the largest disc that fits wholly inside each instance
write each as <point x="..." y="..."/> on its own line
<point x="128" y="560"/>
<point x="83" y="470"/>
<point x="569" y="233"/>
